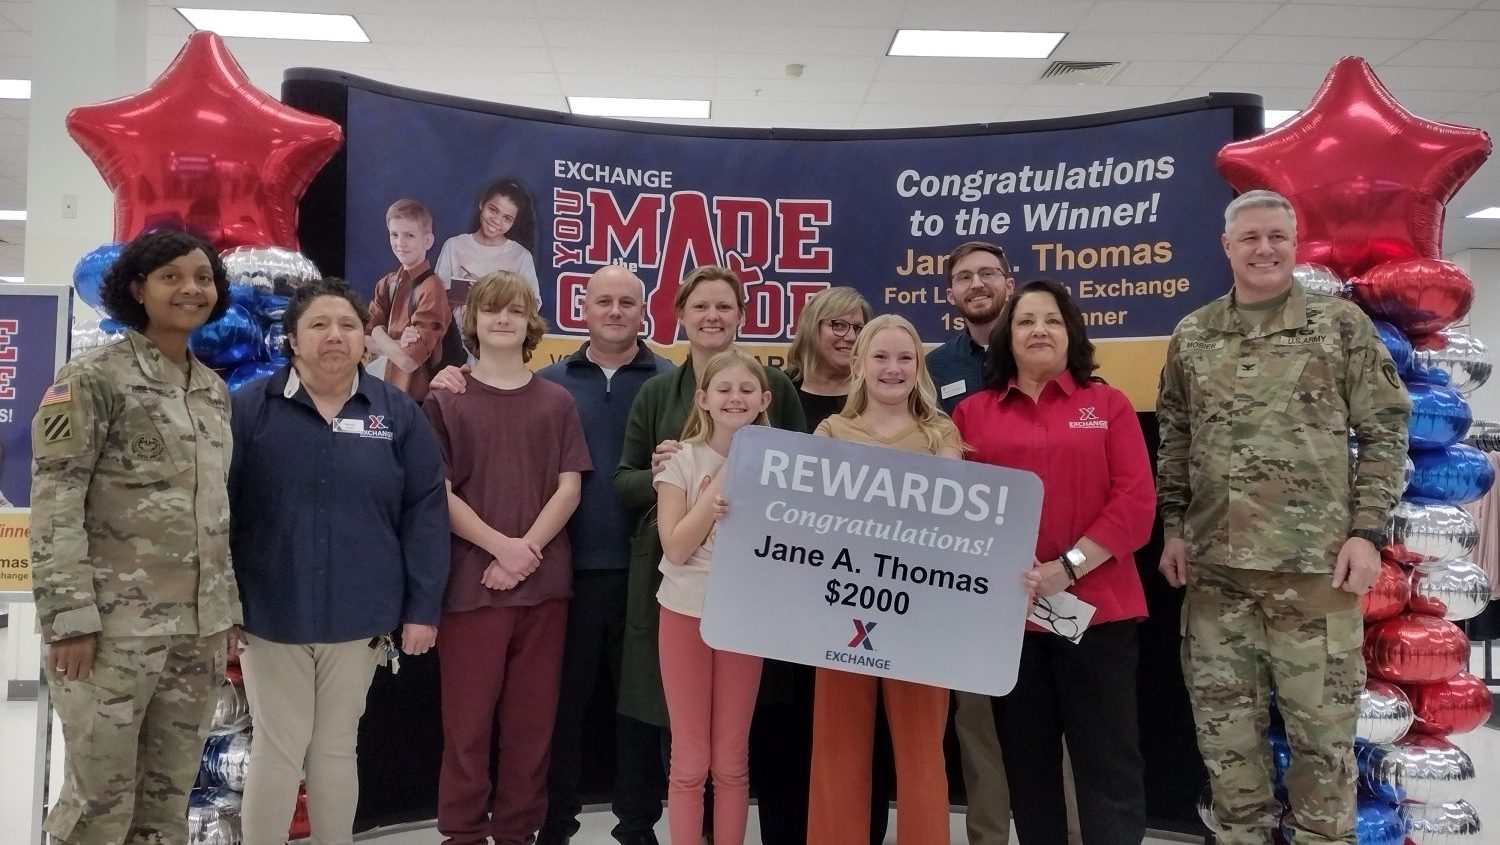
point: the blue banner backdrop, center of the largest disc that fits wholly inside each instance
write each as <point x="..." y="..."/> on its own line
<point x="1124" y="207"/>
<point x="30" y="353"/>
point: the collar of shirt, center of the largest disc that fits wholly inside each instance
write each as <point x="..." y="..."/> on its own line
<point x="403" y="274"/>
<point x="294" y="384"/>
<point x="1291" y="316"/>
<point x="644" y="357"/>
<point x="1064" y="382"/>
<point x="158" y="367"/>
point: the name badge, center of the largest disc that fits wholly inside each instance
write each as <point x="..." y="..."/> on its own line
<point x="952" y="389"/>
<point x="343" y="426"/>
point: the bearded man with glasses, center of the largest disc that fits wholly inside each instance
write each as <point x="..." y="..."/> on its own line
<point x="980" y="279"/>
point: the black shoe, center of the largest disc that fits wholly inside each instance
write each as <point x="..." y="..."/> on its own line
<point x="634" y="837"/>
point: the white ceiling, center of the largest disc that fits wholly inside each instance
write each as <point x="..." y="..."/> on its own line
<point x="1441" y="58"/>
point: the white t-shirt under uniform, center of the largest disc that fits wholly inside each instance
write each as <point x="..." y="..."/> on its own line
<point x="684" y="585"/>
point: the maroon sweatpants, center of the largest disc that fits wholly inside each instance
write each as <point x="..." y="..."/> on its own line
<point x="500" y="668"/>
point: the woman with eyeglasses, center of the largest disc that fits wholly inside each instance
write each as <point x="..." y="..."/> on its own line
<point x="1044" y="411"/>
<point x="821" y="354"/>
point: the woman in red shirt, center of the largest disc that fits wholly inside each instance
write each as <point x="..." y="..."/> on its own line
<point x="1043" y="410"/>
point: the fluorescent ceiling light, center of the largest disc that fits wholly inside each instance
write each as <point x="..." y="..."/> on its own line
<point x="15" y="89"/>
<point x="638" y="107"/>
<point x="1276" y="117"/>
<point x="1491" y="213"/>
<point x="294" y="26"/>
<point x="13" y="215"/>
<point x="15" y="280"/>
<point x="981" y="45"/>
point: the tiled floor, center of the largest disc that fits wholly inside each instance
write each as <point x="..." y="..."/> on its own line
<point x="17" y="743"/>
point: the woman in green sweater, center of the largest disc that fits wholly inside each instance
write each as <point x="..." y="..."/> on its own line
<point x="710" y="308"/>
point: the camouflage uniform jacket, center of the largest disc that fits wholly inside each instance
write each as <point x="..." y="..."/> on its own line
<point x="130" y="509"/>
<point x="1254" y="467"/>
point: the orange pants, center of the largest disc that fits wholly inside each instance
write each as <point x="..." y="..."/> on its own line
<point x="843" y="737"/>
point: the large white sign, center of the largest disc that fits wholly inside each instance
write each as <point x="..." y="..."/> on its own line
<point x="872" y="560"/>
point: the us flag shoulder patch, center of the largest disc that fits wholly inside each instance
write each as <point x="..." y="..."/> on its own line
<point x="57" y="393"/>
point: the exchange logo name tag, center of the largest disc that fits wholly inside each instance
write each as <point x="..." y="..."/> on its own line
<point x="343" y="426"/>
<point x="951" y="389"/>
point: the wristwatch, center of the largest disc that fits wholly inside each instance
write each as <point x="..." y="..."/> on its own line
<point x="1376" y="538"/>
<point x="1071" y="560"/>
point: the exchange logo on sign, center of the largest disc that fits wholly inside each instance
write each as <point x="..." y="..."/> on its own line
<point x="822" y="533"/>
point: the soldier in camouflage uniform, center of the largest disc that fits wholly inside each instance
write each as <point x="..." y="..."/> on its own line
<point x="129" y="546"/>
<point x="1273" y="538"/>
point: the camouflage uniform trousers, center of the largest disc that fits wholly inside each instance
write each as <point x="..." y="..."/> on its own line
<point x="1243" y="632"/>
<point x="133" y="735"/>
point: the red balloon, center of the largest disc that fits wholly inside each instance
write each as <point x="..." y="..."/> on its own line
<point x="203" y="149"/>
<point x="1415" y="649"/>
<point x="1419" y="295"/>
<point x="1389" y="594"/>
<point x="1368" y="178"/>
<point x="301" y="827"/>
<point x="1455" y="706"/>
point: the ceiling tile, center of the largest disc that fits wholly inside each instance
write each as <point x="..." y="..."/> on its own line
<point x="1400" y="77"/>
<point x="1074" y="98"/>
<point x="1371" y="21"/>
<point x="955" y="93"/>
<point x="636" y="34"/>
<point x="1247" y="76"/>
<point x="15" y="42"/>
<point x="1014" y="15"/>
<point x="1324" y="50"/>
<point x="924" y="114"/>
<point x="18" y="14"/>
<point x="587" y="11"/>
<point x="835" y="13"/>
<point x="1159" y="73"/>
<point x="453" y="32"/>
<point x="611" y="85"/>
<point x="1434" y="53"/>
<point x="817" y="67"/>
<point x="1472" y="26"/>
<point x="820" y="40"/>
<point x="1181" y="17"/>
<point x="632" y="63"/>
<point x="934" y="69"/>
<point x="790" y="90"/>
<point x="511" y="59"/>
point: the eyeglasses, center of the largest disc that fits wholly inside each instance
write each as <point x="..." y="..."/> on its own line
<point x="843" y="327"/>
<point x="988" y="274"/>
<point x="1066" y="626"/>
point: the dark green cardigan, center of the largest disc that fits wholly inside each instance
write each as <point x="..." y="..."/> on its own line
<point x="660" y="411"/>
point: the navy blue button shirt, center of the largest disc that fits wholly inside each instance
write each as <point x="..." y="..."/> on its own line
<point x="339" y="532"/>
<point x="956" y="368"/>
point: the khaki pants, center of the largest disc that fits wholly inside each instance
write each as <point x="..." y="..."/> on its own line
<point x="305" y="704"/>
<point x="133" y="734"/>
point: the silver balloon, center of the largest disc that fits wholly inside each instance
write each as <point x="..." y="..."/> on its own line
<point x="1461" y="358"/>
<point x="1484" y="435"/>
<point x="1206" y="812"/>
<point x="1319" y="279"/>
<point x="1427" y="769"/>
<point x="271" y="269"/>
<point x="1385" y="713"/>
<point x="91" y="334"/>
<point x="208" y="824"/>
<point x="231" y="710"/>
<point x="1432" y="532"/>
<point x="230" y="761"/>
<point x="1455" y="589"/>
<point x="1449" y="823"/>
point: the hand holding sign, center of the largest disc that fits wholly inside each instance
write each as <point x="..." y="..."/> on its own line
<point x="829" y="540"/>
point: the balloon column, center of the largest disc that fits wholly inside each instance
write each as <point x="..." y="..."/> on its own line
<point x="203" y="150"/>
<point x="1369" y="181"/>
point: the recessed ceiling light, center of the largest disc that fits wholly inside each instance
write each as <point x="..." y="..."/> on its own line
<point x="294" y="26"/>
<point x="639" y="107"/>
<point x="15" y="280"/>
<point x="15" y="89"/>
<point x="981" y="45"/>
<point x="1491" y="213"/>
<point x="13" y="214"/>
<point x="1276" y="117"/>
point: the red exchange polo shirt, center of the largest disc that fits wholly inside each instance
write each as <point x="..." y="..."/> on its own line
<point x="1085" y="443"/>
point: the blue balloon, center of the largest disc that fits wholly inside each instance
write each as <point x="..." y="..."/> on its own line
<point x="1368" y="756"/>
<point x="88" y="274"/>
<point x="271" y="306"/>
<point x="1396" y="343"/>
<point x="1378" y="823"/>
<point x="227" y="341"/>
<point x="1440" y="416"/>
<point x="245" y="296"/>
<point x="249" y="373"/>
<point x="1455" y="475"/>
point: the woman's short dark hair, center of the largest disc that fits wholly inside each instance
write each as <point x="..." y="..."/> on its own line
<point x="1000" y="359"/>
<point x="144" y="255"/>
<point x="303" y="297"/>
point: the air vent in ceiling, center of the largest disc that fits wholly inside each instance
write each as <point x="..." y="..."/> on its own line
<point x="1081" y="73"/>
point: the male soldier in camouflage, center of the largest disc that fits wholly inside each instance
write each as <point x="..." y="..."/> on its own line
<point x="129" y="546"/>
<point x="1264" y="524"/>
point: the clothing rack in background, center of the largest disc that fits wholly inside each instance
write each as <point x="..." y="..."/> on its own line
<point x="1484" y="435"/>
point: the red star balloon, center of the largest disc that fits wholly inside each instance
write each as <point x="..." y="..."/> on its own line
<point x="203" y="149"/>
<point x="1368" y="178"/>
